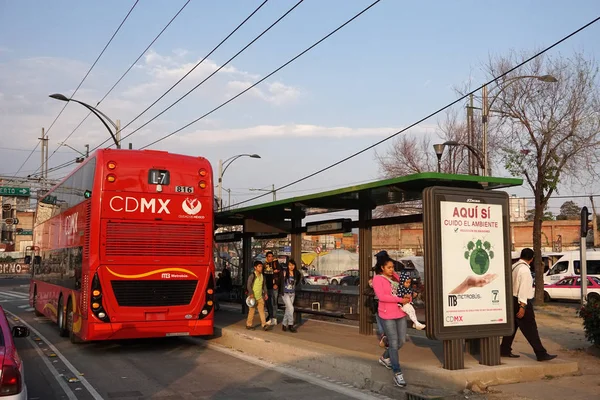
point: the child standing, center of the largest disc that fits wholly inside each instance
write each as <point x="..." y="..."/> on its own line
<point x="257" y="289"/>
<point x="405" y="291"/>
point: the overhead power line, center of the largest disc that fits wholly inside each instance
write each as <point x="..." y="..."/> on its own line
<point x="192" y="70"/>
<point x="80" y="83"/>
<point x="413" y="124"/>
<point x="125" y="73"/>
<point x="265" y="78"/>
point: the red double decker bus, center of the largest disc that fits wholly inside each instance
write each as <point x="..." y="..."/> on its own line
<point x="124" y="248"/>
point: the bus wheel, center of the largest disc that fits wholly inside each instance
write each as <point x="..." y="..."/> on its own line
<point x="72" y="336"/>
<point x="60" y="319"/>
<point x="35" y="311"/>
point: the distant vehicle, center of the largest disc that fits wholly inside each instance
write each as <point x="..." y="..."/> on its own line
<point x="123" y="244"/>
<point x="335" y="280"/>
<point x="350" y="280"/>
<point x="314" y="278"/>
<point x="569" y="265"/>
<point x="569" y="288"/>
<point x="12" y="380"/>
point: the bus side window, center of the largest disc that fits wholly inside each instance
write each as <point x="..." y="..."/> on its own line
<point x="559" y="268"/>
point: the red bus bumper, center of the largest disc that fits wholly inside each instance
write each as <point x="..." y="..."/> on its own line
<point x="149" y="329"/>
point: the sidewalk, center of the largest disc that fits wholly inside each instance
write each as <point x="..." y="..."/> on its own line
<point x="338" y="352"/>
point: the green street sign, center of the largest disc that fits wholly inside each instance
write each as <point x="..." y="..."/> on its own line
<point x="25" y="233"/>
<point x="14" y="191"/>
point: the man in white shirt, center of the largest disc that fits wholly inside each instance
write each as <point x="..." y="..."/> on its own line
<point x="523" y="293"/>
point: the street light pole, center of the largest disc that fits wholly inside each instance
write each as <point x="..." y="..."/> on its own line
<point x="439" y="150"/>
<point x="96" y="112"/>
<point x="222" y="170"/>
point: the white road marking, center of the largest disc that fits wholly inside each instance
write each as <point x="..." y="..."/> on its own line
<point x="23" y="306"/>
<point x="29" y="309"/>
<point x="306" y="376"/>
<point x="25" y="295"/>
<point x="67" y="363"/>
<point x="70" y="394"/>
<point x="15" y="295"/>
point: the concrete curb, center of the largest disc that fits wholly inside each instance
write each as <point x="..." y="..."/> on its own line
<point x="362" y="371"/>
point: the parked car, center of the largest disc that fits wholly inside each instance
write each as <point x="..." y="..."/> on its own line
<point x="12" y="380"/>
<point x="351" y="280"/>
<point x="314" y="278"/>
<point x="335" y="280"/>
<point x="569" y="265"/>
<point x="569" y="288"/>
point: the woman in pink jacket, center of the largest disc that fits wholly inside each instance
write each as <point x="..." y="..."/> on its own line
<point x="392" y="317"/>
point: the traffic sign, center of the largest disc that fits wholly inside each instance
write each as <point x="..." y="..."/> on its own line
<point x="25" y="232"/>
<point x="318" y="250"/>
<point x="6" y="207"/>
<point x="14" y="191"/>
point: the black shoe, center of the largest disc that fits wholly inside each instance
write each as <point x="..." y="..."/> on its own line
<point x="292" y="329"/>
<point x="510" y="355"/>
<point x="250" y="328"/>
<point x="266" y="327"/>
<point x="283" y="328"/>
<point x="546" y="357"/>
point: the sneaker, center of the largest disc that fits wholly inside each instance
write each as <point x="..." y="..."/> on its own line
<point x="267" y="327"/>
<point x="383" y="342"/>
<point x="386" y="362"/>
<point x="250" y="328"/>
<point x="419" y="326"/>
<point x="399" y="379"/>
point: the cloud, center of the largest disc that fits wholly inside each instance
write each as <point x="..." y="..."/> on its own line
<point x="288" y="131"/>
<point x="275" y="93"/>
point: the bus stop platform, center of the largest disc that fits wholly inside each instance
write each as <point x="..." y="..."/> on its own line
<point x="338" y="352"/>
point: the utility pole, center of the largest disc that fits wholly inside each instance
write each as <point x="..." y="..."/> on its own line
<point x="44" y="158"/>
<point x="484" y="120"/>
<point x="274" y="195"/>
<point x="87" y="150"/>
<point x="220" y="187"/>
<point x="118" y="133"/>
<point x="594" y="222"/>
<point x="471" y="134"/>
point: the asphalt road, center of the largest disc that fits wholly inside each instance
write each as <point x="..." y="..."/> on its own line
<point x="167" y="369"/>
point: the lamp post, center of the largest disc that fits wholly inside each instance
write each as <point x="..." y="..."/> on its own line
<point x="222" y="170"/>
<point x="485" y="108"/>
<point x="267" y="190"/>
<point x="96" y="112"/>
<point x="78" y="159"/>
<point x="439" y="150"/>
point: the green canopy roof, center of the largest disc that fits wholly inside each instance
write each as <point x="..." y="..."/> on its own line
<point x="373" y="194"/>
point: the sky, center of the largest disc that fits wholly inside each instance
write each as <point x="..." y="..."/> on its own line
<point x="387" y="69"/>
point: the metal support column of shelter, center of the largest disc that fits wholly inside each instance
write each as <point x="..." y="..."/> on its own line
<point x="365" y="259"/>
<point x="246" y="266"/>
<point x="490" y="351"/>
<point x="454" y="356"/>
<point x="296" y="250"/>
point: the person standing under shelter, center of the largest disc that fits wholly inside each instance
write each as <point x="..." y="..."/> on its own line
<point x="523" y="294"/>
<point x="257" y="290"/>
<point x="271" y="273"/>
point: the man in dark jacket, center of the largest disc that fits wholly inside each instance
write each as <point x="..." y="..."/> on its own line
<point x="271" y="272"/>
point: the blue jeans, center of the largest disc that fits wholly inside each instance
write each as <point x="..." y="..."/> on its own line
<point x="380" y="330"/>
<point x="288" y="300"/>
<point x="395" y="330"/>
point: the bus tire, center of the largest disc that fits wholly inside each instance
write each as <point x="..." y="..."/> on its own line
<point x="35" y="311"/>
<point x="72" y="336"/>
<point x="60" y="319"/>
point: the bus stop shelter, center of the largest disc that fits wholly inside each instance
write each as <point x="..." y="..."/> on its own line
<point x="285" y="217"/>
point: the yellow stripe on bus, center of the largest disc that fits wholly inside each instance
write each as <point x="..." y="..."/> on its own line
<point x="156" y="271"/>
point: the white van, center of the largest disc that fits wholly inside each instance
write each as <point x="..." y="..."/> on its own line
<point x="569" y="265"/>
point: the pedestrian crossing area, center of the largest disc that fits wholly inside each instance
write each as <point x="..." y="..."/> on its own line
<point x="16" y="297"/>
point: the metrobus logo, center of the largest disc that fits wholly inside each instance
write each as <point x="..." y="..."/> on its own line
<point x="131" y="204"/>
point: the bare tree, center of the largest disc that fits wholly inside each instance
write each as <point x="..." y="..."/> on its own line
<point x="548" y="131"/>
<point x="410" y="154"/>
